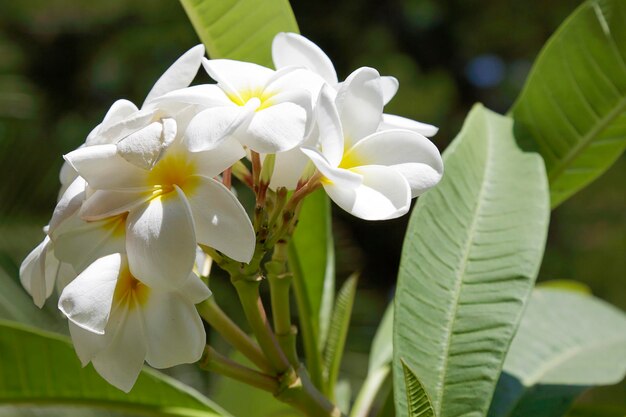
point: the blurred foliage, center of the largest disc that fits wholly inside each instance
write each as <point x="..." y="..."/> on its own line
<point x="63" y="62"/>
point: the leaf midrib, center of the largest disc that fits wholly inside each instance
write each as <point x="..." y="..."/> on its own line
<point x="587" y="139"/>
<point x="462" y="268"/>
<point x="563" y="357"/>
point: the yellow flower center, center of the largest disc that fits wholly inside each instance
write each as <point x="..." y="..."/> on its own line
<point x="242" y="97"/>
<point x="175" y="168"/>
<point x="129" y="291"/>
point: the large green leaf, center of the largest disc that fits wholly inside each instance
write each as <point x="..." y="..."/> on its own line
<point x="240" y="29"/>
<point x="567" y="341"/>
<point x="41" y="368"/>
<point x="574" y="102"/>
<point x="470" y="257"/>
<point x="312" y="261"/>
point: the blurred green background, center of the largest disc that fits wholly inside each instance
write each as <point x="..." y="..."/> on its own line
<point x="63" y="62"/>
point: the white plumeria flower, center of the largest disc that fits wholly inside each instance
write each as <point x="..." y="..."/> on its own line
<point x="118" y="321"/>
<point x="171" y="208"/>
<point x="260" y="107"/>
<point x="290" y="49"/>
<point x="157" y="121"/>
<point x="371" y="174"/>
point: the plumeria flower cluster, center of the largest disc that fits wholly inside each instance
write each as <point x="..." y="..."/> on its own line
<point x="149" y="193"/>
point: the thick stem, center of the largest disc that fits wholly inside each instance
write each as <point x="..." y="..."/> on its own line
<point x="218" y="320"/>
<point x="216" y="362"/>
<point x="252" y="304"/>
<point x="302" y="394"/>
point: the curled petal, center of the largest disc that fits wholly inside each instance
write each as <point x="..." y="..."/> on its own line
<point x="221" y="221"/>
<point x="389" y="86"/>
<point x="33" y="273"/>
<point x="293" y="49"/>
<point x="410" y="153"/>
<point x="143" y="147"/>
<point x="384" y="194"/>
<point x="329" y="125"/>
<point x="119" y="111"/>
<point x="160" y="240"/>
<point x="124" y="127"/>
<point x="103" y="168"/>
<point x="87" y="300"/>
<point x="179" y="75"/>
<point x="360" y="104"/>
<point x="391" y="121"/>
<point x="174" y="331"/>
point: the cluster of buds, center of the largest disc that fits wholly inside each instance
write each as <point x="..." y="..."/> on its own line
<point x="149" y="195"/>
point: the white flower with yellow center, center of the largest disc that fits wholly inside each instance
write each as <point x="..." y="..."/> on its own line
<point x="117" y="321"/>
<point x="171" y="208"/>
<point x="371" y="174"/>
<point x="267" y="111"/>
<point x="289" y="49"/>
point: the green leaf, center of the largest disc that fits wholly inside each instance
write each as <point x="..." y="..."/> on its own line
<point x="567" y="341"/>
<point x="338" y="331"/>
<point x="312" y="262"/>
<point x="470" y="257"/>
<point x="41" y="368"/>
<point x="418" y="403"/>
<point x="574" y="102"/>
<point x="240" y="29"/>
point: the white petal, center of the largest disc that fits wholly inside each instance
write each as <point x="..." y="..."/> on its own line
<point x="120" y="110"/>
<point x="211" y="127"/>
<point x="87" y="300"/>
<point x="220" y="219"/>
<point x="179" y="75"/>
<point x="389" y="86"/>
<point x="293" y="49"/>
<point x="160" y="240"/>
<point x="174" y="331"/>
<point x="143" y="147"/>
<point x="329" y="125"/>
<point x="204" y="95"/>
<point x="67" y="175"/>
<point x="80" y="243"/>
<point x="338" y="176"/>
<point x="193" y="289"/>
<point x="213" y="162"/>
<point x="277" y="128"/>
<point x="106" y="203"/>
<point x="33" y="273"/>
<point x="122" y="359"/>
<point x="170" y="129"/>
<point x="410" y="153"/>
<point x="236" y="77"/>
<point x="384" y="194"/>
<point x="119" y="130"/>
<point x="87" y="344"/>
<point x="70" y="201"/>
<point x="360" y="104"/>
<point x="391" y="121"/>
<point x="103" y="168"/>
<point x="289" y="167"/>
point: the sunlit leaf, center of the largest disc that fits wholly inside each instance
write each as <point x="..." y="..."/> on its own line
<point x="240" y="29"/>
<point x="567" y="342"/>
<point x="574" y="102"/>
<point x="38" y="367"/>
<point x="469" y="261"/>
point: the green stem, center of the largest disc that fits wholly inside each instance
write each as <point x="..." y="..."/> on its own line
<point x="252" y="304"/>
<point x="216" y="362"/>
<point x="302" y="395"/>
<point x="218" y="320"/>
